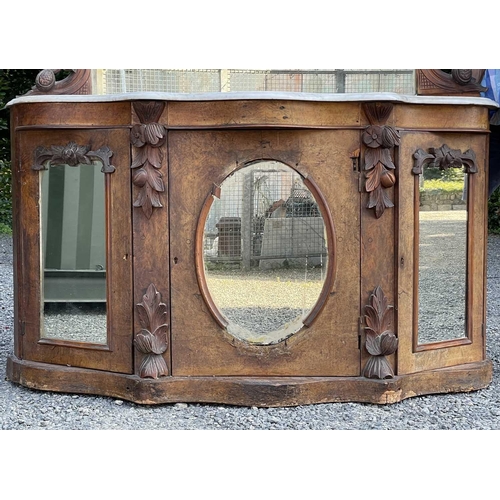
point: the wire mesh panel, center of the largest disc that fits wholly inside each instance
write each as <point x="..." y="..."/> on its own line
<point x="399" y="81"/>
<point x="160" y="80"/>
<point x="202" y="80"/>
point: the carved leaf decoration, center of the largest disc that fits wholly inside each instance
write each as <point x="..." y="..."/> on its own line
<point x="154" y="156"/>
<point x="380" y="340"/>
<point x="149" y="111"/>
<point x="372" y="158"/>
<point x="154" y="134"/>
<point x="154" y="178"/>
<point x="372" y="320"/>
<point x="159" y="344"/>
<point x="385" y="158"/>
<point x="390" y="137"/>
<point x="152" y="314"/>
<point x="153" y="366"/>
<point x="377" y="112"/>
<point x="380" y="304"/>
<point x="380" y="200"/>
<point x="144" y="342"/>
<point x="144" y="200"/>
<point x="382" y="345"/>
<point x="388" y="343"/>
<point x="154" y="309"/>
<point x="378" y="367"/>
<point x="141" y="156"/>
<point x="373" y="345"/>
<point x="373" y="178"/>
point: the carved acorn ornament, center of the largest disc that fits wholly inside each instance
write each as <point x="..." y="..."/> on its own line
<point x="379" y="139"/>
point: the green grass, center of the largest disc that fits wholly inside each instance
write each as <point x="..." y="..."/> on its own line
<point x="440" y="185"/>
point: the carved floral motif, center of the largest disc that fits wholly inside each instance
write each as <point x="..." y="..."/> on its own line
<point x="380" y="339"/>
<point x="444" y="158"/>
<point x="148" y="137"/>
<point x="152" y="340"/>
<point x="379" y="167"/>
<point x="73" y="155"/>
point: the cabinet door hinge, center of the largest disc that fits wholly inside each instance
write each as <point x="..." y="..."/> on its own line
<point x="360" y="330"/>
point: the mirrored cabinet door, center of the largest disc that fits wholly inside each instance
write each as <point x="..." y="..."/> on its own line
<point x="78" y="312"/>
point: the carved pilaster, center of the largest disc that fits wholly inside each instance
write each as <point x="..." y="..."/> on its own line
<point x="152" y="339"/>
<point x="73" y="155"/>
<point x="148" y="137"/>
<point x="444" y="158"/>
<point x="380" y="339"/>
<point x="379" y="167"/>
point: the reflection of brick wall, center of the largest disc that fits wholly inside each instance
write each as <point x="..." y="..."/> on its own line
<point x="434" y="200"/>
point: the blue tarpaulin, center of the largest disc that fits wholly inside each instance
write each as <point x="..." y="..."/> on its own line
<point x="491" y="80"/>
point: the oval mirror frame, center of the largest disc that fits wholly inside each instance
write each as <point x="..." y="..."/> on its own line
<point x="329" y="279"/>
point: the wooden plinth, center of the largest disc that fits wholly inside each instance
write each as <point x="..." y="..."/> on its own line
<point x="248" y="391"/>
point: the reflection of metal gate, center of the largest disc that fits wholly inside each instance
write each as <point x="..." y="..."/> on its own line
<point x="265" y="218"/>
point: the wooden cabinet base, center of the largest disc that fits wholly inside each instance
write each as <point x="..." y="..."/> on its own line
<point x="249" y="391"/>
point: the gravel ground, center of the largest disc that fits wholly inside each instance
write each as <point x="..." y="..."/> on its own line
<point x="22" y="408"/>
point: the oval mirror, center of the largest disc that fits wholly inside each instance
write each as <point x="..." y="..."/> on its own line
<point x="265" y="253"/>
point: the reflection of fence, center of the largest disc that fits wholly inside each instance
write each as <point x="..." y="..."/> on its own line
<point x="265" y="217"/>
<point x="112" y="81"/>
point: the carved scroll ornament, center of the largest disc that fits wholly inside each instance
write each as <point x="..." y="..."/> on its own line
<point x="152" y="339"/>
<point x="73" y="155"/>
<point x="148" y="137"/>
<point x="380" y="339"/>
<point x="444" y="158"/>
<point x="379" y="167"/>
<point x="77" y="82"/>
<point x="450" y="82"/>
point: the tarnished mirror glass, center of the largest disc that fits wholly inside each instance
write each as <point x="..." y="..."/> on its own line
<point x="265" y="252"/>
<point x="73" y="253"/>
<point x="442" y="275"/>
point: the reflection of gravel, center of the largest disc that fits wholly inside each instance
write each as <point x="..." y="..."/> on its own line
<point x="265" y="306"/>
<point x="442" y="276"/>
<point x="81" y="323"/>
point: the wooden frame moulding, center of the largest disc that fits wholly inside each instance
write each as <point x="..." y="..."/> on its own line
<point x="444" y="157"/>
<point x="331" y="244"/>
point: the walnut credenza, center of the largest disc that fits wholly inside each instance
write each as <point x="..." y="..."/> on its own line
<point x="133" y="212"/>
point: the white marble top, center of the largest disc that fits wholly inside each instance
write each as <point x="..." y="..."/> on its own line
<point x="243" y="96"/>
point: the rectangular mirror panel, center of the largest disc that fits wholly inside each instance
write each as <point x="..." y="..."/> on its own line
<point x="442" y="272"/>
<point x="74" y="253"/>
